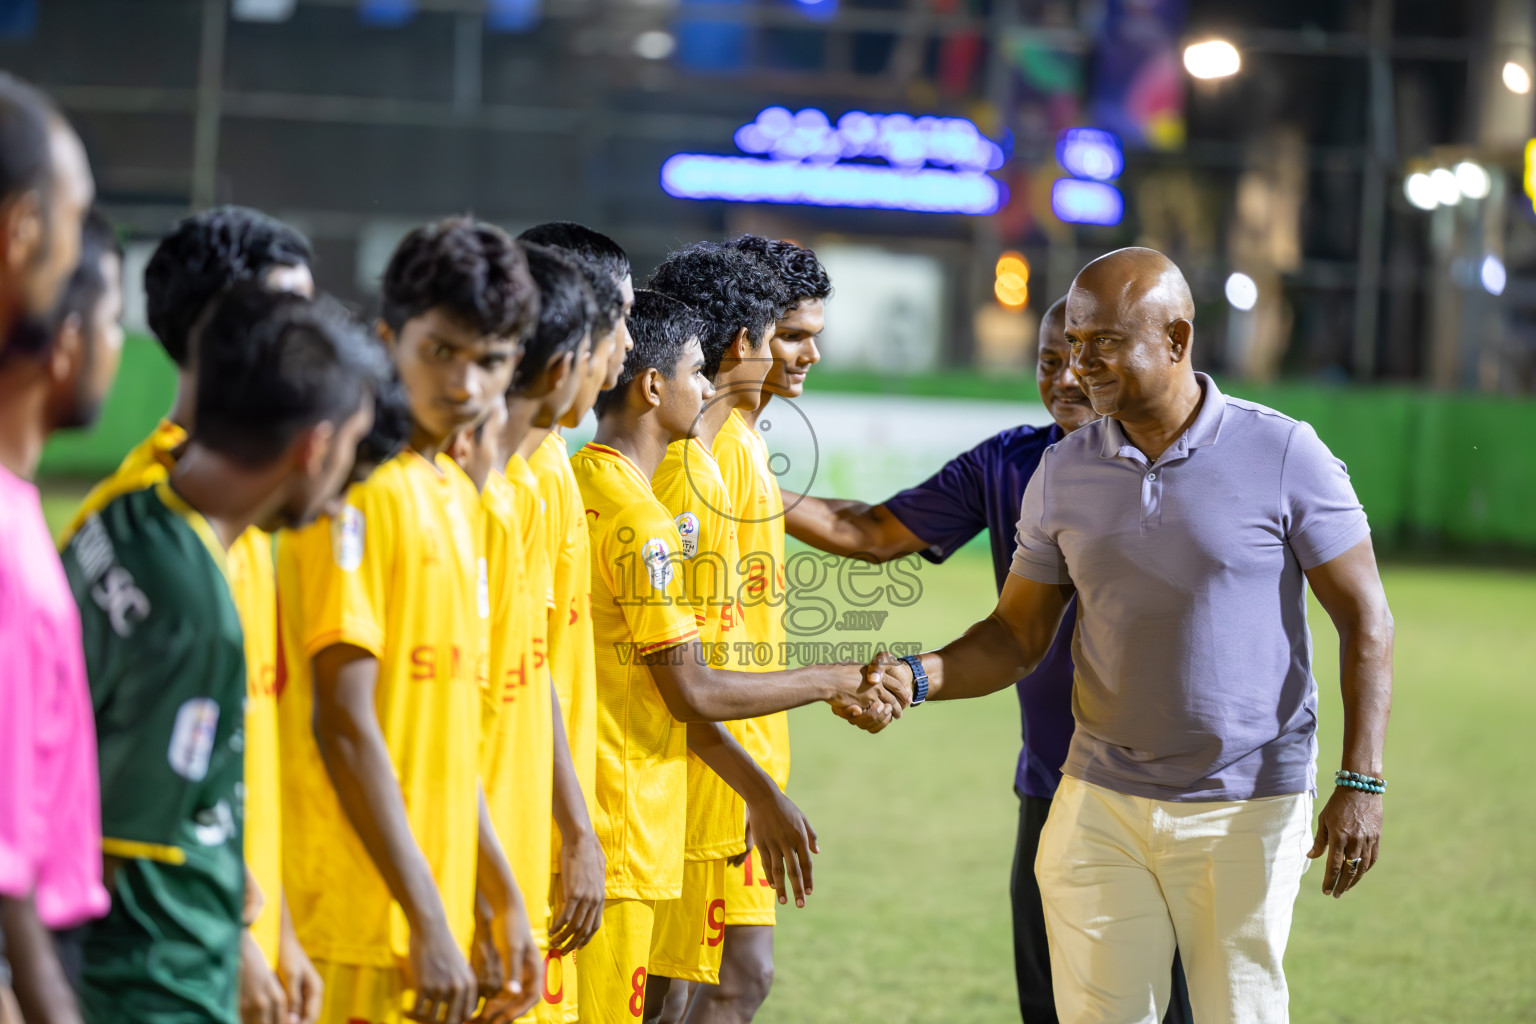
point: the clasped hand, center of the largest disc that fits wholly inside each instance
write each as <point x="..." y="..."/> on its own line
<point x="884" y="692"/>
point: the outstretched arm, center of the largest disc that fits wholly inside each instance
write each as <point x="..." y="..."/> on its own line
<point x="994" y="653"/>
<point x="41" y="988"/>
<point x="1349" y="827"/>
<point x="871" y="533"/>
<point x="783" y="836"/>
<point x="695" y="692"/>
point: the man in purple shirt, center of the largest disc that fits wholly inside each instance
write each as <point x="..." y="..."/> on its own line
<point x="1188" y="526"/>
<point x="982" y="489"/>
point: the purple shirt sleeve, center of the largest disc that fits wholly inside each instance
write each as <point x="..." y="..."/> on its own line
<point x="1037" y="556"/>
<point x="1323" y="518"/>
<point x="947" y="509"/>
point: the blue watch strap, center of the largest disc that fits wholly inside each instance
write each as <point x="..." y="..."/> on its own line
<point x="919" y="678"/>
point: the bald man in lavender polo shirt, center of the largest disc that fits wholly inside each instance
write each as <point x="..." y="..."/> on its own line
<point x="1188" y="525"/>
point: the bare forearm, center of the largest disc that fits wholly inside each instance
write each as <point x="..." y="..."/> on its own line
<point x="358" y="764"/>
<point x="42" y="990"/>
<point x="695" y="692"/>
<point x="716" y="747"/>
<point x="852" y="529"/>
<point x="493" y="875"/>
<point x="1365" y="671"/>
<point x="987" y="658"/>
<point x="570" y="806"/>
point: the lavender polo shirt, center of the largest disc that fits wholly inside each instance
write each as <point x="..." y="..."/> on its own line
<point x="1193" y="660"/>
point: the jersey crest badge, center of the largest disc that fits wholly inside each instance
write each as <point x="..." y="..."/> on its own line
<point x="347" y="539"/>
<point x="658" y="562"/>
<point x="688" y="532"/>
<point x="192" y="737"/>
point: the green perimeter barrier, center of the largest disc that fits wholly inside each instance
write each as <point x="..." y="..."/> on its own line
<point x="1434" y="471"/>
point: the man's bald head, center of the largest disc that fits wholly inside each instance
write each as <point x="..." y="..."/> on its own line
<point x="1130" y="324"/>
<point x="1138" y="281"/>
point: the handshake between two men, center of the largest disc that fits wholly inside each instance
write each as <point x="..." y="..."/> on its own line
<point x="885" y="691"/>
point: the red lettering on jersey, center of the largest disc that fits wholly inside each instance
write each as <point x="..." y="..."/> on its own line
<point x="515" y="679"/>
<point x="538" y="652"/>
<point x="637" y="992"/>
<point x="558" y="995"/>
<point x="458" y="663"/>
<point x="573" y="611"/>
<point x="423" y="663"/>
<point x="714" y="923"/>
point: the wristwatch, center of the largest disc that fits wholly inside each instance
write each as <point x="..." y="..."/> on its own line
<point x="919" y="678"/>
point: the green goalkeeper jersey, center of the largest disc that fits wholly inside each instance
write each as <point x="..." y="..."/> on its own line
<point x="164" y="654"/>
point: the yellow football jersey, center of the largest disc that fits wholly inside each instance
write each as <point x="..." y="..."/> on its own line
<point x="570" y="620"/>
<point x="688" y="483"/>
<point x="639" y="607"/>
<point x="518" y="747"/>
<point x="252" y="585"/>
<point x="759" y="509"/>
<point x="398" y="574"/>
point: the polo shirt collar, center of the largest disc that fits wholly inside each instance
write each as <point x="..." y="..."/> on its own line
<point x="1202" y="432"/>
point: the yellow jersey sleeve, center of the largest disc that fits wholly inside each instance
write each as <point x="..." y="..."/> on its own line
<point x="346" y="564"/>
<point x="639" y="558"/>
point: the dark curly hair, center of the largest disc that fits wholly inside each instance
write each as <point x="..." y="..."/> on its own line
<point x="729" y="288"/>
<point x="602" y="261"/>
<point x="470" y="269"/>
<point x="270" y="365"/>
<point x="799" y="270"/>
<point x="566" y="311"/>
<point x="662" y="327"/>
<point x="205" y="254"/>
<point x="582" y="242"/>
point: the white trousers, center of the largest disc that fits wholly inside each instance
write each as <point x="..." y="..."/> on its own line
<point x="1125" y="879"/>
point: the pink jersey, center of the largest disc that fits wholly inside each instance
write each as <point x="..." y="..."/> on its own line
<point x="50" y="814"/>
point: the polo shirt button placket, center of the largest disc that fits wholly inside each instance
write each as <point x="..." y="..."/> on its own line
<point x="1151" y="501"/>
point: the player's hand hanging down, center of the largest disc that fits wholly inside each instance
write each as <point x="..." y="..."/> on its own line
<point x="580" y="912"/>
<point x="785" y="840"/>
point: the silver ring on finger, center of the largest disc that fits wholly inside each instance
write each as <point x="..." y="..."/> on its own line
<point x="1353" y="863"/>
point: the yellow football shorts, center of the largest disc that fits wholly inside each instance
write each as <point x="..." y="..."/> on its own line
<point x="690" y="930"/>
<point x="361" y="995"/>
<point x="749" y="899"/>
<point x="611" y="983"/>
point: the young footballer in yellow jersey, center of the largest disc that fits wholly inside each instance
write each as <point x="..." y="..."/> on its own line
<point x="529" y="775"/>
<point x="690" y="484"/>
<point x="605" y="267"/>
<point x="384" y="620"/>
<point x="201" y="257"/>
<point x="658" y="697"/>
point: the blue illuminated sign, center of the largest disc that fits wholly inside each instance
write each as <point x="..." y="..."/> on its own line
<point x="1090" y="153"/>
<point x="803" y="158"/>
<point x="1086" y="202"/>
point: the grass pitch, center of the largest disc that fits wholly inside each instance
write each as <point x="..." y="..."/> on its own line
<point x="910" y="919"/>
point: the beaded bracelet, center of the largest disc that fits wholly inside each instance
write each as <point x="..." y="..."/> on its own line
<point x="1364" y="783"/>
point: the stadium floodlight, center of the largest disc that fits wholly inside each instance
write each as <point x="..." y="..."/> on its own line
<point x="655" y="44"/>
<point x="1090" y="153"/>
<point x="1516" y="78"/>
<point x="1214" y="58"/>
<point x="1447" y="191"/>
<point x="1086" y="202"/>
<point x="1242" y="291"/>
<point x="1420" y="191"/>
<point x="1493" y="275"/>
<point x="1473" y="180"/>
